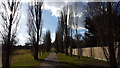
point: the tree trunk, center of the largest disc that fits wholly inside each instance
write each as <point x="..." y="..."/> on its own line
<point x="36" y="47"/>
<point x="71" y="43"/>
<point x="78" y="49"/>
<point x="7" y="49"/>
<point x="36" y="44"/>
<point x="118" y="54"/>
<point x="113" y="61"/>
<point x="66" y="46"/>
<point x="36" y="53"/>
<point x="5" y="57"/>
<point x="66" y="51"/>
<point x="91" y="52"/>
<point x="56" y="45"/>
<point x="62" y="48"/>
<point x="106" y="53"/>
<point x="71" y="50"/>
<point x="78" y="53"/>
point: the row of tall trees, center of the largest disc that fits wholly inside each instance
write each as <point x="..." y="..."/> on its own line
<point x="67" y="32"/>
<point x="102" y="22"/>
<point x="62" y="33"/>
<point x="11" y="16"/>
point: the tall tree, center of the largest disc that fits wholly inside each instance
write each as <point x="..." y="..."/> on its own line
<point x="67" y="22"/>
<point x="58" y="41"/>
<point x="70" y="26"/>
<point x="47" y="40"/>
<point x="63" y="28"/>
<point x="10" y="17"/>
<point x="56" y="45"/>
<point x="35" y="12"/>
<point x="112" y="57"/>
<point x="75" y="24"/>
<point x="60" y="33"/>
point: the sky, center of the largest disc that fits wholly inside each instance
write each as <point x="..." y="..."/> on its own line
<point x="49" y="23"/>
<point x="50" y="14"/>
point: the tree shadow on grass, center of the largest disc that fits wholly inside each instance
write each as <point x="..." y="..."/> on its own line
<point x="71" y="65"/>
<point x="24" y="67"/>
<point x="38" y="60"/>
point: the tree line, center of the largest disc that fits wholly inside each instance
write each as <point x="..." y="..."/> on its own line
<point x="11" y="17"/>
<point x="102" y="22"/>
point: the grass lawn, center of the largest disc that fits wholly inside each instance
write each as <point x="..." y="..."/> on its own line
<point x="24" y="59"/>
<point x="83" y="62"/>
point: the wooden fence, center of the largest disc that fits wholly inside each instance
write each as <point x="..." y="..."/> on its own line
<point x="94" y="52"/>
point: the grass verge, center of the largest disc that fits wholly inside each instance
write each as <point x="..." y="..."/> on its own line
<point x="83" y="62"/>
<point x="24" y="59"/>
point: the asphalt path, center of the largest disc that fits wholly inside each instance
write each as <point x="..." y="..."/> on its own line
<point x="51" y="61"/>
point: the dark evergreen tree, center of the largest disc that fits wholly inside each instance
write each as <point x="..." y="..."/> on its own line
<point x="102" y="24"/>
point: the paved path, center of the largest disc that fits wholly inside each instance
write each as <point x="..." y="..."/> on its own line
<point x="51" y="61"/>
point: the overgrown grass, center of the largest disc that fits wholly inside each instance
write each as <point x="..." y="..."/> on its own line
<point x="83" y="62"/>
<point x="24" y="59"/>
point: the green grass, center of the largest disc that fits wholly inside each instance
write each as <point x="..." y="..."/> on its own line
<point x="24" y="59"/>
<point x="83" y="62"/>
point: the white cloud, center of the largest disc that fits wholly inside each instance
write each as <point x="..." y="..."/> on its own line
<point x="22" y="38"/>
<point x="54" y="7"/>
<point x="78" y="28"/>
<point x="52" y="37"/>
<point x="23" y="16"/>
<point x="0" y="27"/>
<point x="81" y="28"/>
<point x="44" y="29"/>
<point x="82" y="32"/>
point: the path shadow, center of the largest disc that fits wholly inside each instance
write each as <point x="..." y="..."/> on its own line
<point x="48" y="61"/>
